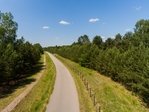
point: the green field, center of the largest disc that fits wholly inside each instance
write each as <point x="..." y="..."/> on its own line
<point x="37" y="99"/>
<point x="111" y="96"/>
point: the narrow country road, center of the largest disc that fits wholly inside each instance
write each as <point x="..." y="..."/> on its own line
<point x="64" y="97"/>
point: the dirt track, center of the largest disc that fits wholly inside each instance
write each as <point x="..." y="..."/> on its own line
<point x="18" y="99"/>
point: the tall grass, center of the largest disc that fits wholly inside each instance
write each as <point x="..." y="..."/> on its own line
<point x="112" y="96"/>
<point x="37" y="99"/>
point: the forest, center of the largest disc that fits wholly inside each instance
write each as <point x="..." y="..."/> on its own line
<point x="125" y="58"/>
<point x="17" y="56"/>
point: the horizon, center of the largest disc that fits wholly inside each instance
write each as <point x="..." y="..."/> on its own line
<point x="54" y="22"/>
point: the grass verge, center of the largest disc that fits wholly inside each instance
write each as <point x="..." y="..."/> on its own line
<point x="85" y="101"/>
<point x="112" y="96"/>
<point x="17" y="89"/>
<point x="37" y="99"/>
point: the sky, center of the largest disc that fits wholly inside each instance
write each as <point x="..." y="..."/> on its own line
<point x="61" y="22"/>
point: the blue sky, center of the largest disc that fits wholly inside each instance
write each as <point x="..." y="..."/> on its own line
<point x="58" y="22"/>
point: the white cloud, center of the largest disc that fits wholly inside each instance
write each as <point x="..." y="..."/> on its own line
<point x="128" y="29"/>
<point x="112" y="37"/>
<point x="103" y="37"/>
<point x="138" y="8"/>
<point x="45" y="27"/>
<point x="93" y="20"/>
<point x="64" y="22"/>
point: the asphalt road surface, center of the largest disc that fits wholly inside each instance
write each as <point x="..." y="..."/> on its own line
<point x="64" y="97"/>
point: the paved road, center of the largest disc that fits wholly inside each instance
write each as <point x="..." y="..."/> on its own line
<point x="64" y="97"/>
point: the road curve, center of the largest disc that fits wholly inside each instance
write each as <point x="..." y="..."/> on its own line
<point x="64" y="97"/>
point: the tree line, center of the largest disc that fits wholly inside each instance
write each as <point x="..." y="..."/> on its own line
<point x="124" y="58"/>
<point x="17" y="56"/>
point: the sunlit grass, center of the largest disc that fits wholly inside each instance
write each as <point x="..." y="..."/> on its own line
<point x="17" y="90"/>
<point x="85" y="101"/>
<point x="37" y="99"/>
<point x="112" y="96"/>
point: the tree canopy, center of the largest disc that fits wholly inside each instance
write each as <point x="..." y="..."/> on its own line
<point x="17" y="56"/>
<point x="124" y="58"/>
<point x="83" y="40"/>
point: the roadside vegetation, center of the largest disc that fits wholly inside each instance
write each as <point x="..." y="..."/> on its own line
<point x="20" y="61"/>
<point x="111" y="96"/>
<point x="125" y="59"/>
<point x="18" y="88"/>
<point x="17" y="56"/>
<point x="37" y="99"/>
<point x="85" y="102"/>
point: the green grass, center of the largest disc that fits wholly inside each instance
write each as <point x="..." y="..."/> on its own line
<point x="6" y="100"/>
<point x="17" y="89"/>
<point x="85" y="102"/>
<point x="112" y="96"/>
<point x="37" y="99"/>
